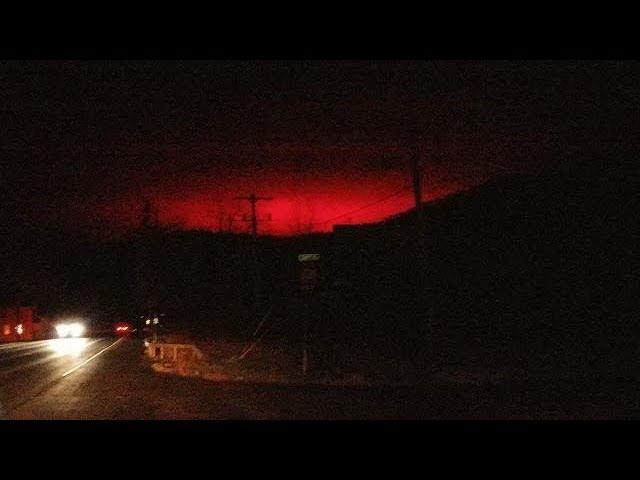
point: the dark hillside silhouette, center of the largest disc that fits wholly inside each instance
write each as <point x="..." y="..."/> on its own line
<point x="533" y="269"/>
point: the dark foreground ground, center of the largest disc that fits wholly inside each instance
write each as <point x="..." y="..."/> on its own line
<point x="49" y="380"/>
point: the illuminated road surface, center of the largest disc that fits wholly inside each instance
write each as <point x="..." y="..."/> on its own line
<point x="110" y="379"/>
<point x="29" y="369"/>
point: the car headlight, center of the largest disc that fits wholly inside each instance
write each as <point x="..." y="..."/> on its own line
<point x="76" y="329"/>
<point x="62" y="330"/>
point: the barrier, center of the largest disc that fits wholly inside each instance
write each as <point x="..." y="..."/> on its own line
<point x="186" y="358"/>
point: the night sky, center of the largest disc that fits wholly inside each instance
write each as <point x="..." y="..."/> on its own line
<point x="84" y="142"/>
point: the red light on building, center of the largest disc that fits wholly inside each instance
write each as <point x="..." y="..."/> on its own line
<point x="17" y="323"/>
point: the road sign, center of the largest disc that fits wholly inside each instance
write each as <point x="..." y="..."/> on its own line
<point x="309" y="280"/>
<point x="308" y="257"/>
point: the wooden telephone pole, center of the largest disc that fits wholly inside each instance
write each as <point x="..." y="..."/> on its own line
<point x="253" y="200"/>
<point x="422" y="248"/>
<point x="417" y="190"/>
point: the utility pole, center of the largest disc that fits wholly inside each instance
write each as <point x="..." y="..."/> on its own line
<point x="417" y="190"/>
<point x="149" y="217"/>
<point x="253" y="200"/>
<point x="423" y="289"/>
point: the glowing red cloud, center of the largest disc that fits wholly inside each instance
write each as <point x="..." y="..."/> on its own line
<point x="312" y="205"/>
<point x="313" y="187"/>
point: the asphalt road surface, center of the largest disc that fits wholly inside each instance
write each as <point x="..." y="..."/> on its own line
<point x="112" y="379"/>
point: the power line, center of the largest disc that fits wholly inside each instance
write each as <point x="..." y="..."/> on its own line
<point x="364" y="207"/>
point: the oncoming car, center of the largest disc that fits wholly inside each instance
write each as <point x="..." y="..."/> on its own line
<point x="70" y="330"/>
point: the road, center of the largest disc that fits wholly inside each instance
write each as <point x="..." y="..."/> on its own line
<point x="111" y="379"/>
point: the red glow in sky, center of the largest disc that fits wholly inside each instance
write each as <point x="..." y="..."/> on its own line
<point x="311" y="205"/>
<point x="313" y="187"/>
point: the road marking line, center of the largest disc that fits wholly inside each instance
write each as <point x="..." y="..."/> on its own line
<point x="69" y="372"/>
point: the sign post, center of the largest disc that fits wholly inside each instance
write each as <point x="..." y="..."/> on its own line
<point x="309" y="277"/>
